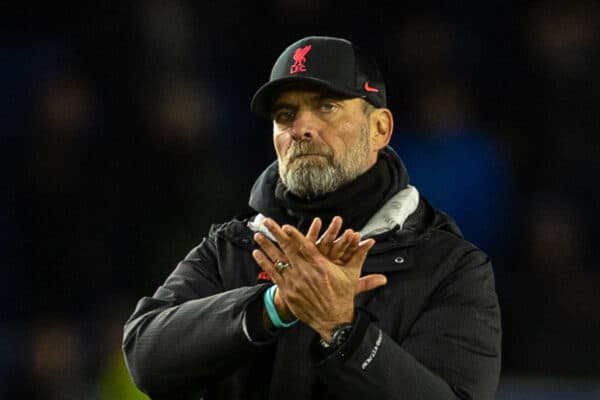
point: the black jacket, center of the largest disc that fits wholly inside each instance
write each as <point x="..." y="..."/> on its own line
<point x="433" y="332"/>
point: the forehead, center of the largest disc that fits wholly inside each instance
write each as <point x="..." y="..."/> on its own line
<point x="304" y="93"/>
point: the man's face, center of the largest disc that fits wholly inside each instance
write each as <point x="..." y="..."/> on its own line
<point x="322" y="141"/>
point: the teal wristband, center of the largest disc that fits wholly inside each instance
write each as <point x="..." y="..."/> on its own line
<point x="268" y="299"/>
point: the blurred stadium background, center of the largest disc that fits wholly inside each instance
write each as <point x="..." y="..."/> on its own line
<point x="126" y="132"/>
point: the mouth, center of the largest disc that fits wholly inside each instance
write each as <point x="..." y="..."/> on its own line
<point x="307" y="158"/>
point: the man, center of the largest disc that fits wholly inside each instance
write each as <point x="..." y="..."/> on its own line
<point x="397" y="306"/>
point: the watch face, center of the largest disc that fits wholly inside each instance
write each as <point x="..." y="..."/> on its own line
<point x="340" y="334"/>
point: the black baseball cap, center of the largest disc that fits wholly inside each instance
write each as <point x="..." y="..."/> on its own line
<point x="329" y="62"/>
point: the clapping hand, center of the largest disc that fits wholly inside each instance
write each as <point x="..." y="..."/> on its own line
<point x="321" y="275"/>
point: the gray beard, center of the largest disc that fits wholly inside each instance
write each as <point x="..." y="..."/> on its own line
<point x="313" y="177"/>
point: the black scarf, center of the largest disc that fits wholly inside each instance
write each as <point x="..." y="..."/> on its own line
<point x="355" y="202"/>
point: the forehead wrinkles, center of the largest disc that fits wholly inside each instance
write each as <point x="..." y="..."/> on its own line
<point x="295" y="99"/>
<point x="307" y="96"/>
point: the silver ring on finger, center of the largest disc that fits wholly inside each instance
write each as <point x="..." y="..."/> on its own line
<point x="281" y="265"/>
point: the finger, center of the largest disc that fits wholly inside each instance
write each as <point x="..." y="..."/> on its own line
<point x="265" y="264"/>
<point x="325" y="243"/>
<point x="341" y="244"/>
<point x="280" y="236"/>
<point x="299" y="245"/>
<point x="369" y="282"/>
<point x="352" y="247"/>
<point x="358" y="258"/>
<point x="269" y="248"/>
<point x="314" y="229"/>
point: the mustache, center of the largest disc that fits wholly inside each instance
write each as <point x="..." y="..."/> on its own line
<point x="298" y="149"/>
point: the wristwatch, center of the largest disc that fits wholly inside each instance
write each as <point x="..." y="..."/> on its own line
<point x="339" y="335"/>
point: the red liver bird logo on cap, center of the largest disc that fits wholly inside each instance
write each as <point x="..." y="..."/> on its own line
<point x="300" y="59"/>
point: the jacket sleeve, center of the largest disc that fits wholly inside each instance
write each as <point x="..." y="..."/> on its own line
<point x="452" y="351"/>
<point x="190" y="330"/>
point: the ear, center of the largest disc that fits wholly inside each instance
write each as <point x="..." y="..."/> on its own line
<point x="382" y="125"/>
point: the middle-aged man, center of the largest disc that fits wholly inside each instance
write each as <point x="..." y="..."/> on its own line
<point x="389" y="302"/>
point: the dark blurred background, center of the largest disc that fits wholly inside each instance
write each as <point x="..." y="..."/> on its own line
<point x="126" y="132"/>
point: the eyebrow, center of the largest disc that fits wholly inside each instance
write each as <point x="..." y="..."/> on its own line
<point x="278" y="105"/>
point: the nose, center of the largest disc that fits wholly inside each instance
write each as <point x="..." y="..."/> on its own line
<point x="304" y="126"/>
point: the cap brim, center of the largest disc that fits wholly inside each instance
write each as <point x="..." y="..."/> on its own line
<point x="262" y="99"/>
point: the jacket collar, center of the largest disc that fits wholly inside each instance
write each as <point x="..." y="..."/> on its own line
<point x="391" y="215"/>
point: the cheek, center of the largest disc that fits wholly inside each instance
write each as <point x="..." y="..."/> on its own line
<point x="281" y="142"/>
<point x="347" y="131"/>
<point x="346" y="136"/>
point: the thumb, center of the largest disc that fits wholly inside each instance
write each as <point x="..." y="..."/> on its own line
<point x="369" y="282"/>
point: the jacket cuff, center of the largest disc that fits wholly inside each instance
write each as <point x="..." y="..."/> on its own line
<point x="361" y="322"/>
<point x="253" y="321"/>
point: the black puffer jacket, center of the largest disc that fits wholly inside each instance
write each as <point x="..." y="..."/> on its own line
<point x="433" y="332"/>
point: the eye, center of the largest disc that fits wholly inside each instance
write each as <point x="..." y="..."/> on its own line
<point x="328" y="107"/>
<point x="283" y="116"/>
